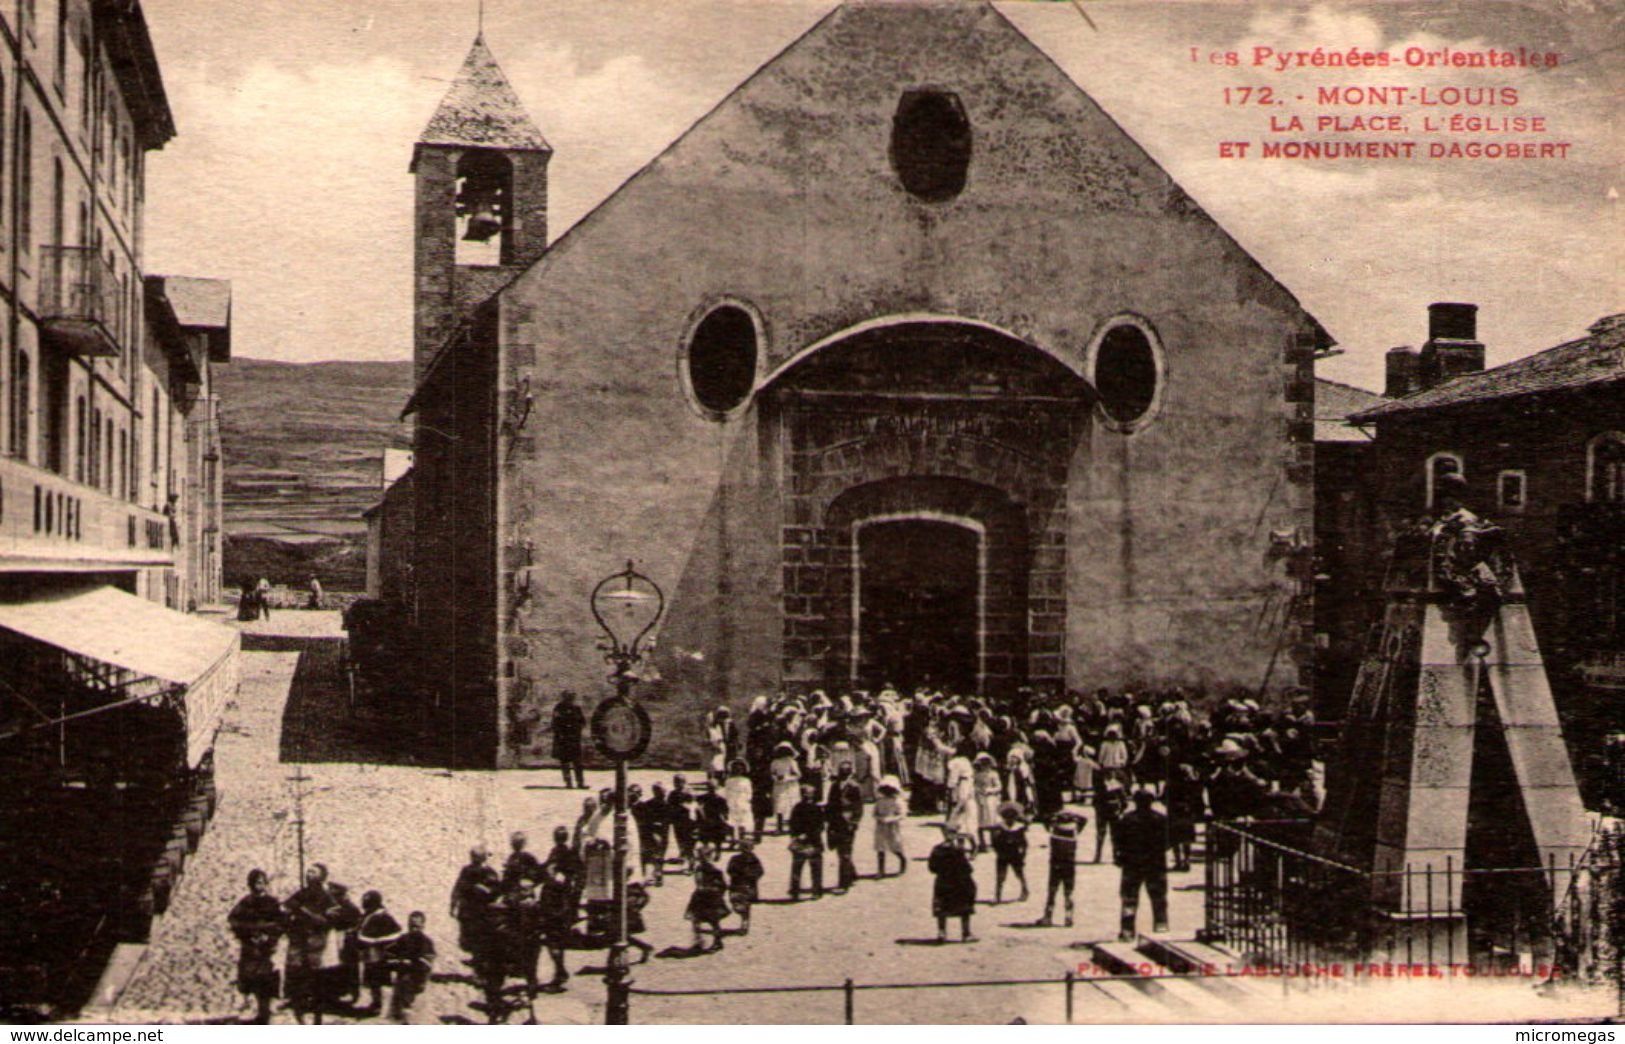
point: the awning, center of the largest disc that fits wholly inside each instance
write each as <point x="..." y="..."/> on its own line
<point x="112" y="627"/>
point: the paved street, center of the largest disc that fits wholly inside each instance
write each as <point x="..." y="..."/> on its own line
<point x="405" y="831"/>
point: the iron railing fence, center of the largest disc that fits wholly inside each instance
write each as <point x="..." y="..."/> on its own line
<point x="1271" y="901"/>
<point x="1062" y="995"/>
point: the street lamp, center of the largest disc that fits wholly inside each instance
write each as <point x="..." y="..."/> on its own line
<point x="627" y="606"/>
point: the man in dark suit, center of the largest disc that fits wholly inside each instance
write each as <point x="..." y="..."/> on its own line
<point x="842" y="813"/>
<point x="1140" y="844"/>
<point x="568" y="724"/>
<point x="807" y="842"/>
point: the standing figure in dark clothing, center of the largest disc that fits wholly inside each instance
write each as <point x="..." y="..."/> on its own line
<point x="1141" y="848"/>
<point x="568" y="724"/>
<point x="477" y="887"/>
<point x="1110" y="803"/>
<point x="558" y="903"/>
<point x="954" y="894"/>
<point x="709" y="903"/>
<point x="307" y="912"/>
<point x="411" y="959"/>
<point x="760" y="737"/>
<point x="521" y="870"/>
<point x="653" y="830"/>
<point x="711" y="817"/>
<point x="744" y="878"/>
<point x="1063" y="860"/>
<point x="346" y="920"/>
<point x="680" y="814"/>
<point x="1183" y="796"/>
<point x="377" y="931"/>
<point x="807" y="842"/>
<point x="257" y="922"/>
<point x="1009" y="850"/>
<point x="842" y="813"/>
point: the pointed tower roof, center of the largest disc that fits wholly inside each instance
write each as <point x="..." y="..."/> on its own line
<point x="481" y="110"/>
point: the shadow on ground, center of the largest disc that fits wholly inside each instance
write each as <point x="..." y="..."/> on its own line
<point x="320" y="723"/>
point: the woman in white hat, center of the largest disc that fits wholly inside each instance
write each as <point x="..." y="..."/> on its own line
<point x="963" y="814"/>
<point x="891" y="808"/>
<point x="989" y="792"/>
<point x="786" y="770"/>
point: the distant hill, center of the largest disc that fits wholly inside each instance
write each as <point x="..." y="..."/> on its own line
<point x="302" y="443"/>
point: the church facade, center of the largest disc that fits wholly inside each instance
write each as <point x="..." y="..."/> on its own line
<point x="905" y="364"/>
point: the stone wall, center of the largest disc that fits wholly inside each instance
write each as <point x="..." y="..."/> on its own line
<point x="784" y="197"/>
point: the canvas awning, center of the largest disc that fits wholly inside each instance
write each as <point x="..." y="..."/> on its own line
<point x="112" y="627"/>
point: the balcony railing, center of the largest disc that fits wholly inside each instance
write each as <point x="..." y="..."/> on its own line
<point x="80" y="304"/>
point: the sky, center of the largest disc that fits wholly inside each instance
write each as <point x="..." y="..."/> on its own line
<point x="296" y="120"/>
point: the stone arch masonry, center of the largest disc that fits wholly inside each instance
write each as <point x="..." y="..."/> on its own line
<point x="1003" y="463"/>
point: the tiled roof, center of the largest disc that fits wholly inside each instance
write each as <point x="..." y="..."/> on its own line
<point x="1592" y="360"/>
<point x="481" y="109"/>
<point x="1333" y="404"/>
<point x="199" y="302"/>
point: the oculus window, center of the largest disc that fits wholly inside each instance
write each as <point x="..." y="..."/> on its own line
<point x="721" y="359"/>
<point x="931" y="144"/>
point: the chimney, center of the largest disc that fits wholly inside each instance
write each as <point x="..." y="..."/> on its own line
<point x="1404" y="372"/>
<point x="1452" y="348"/>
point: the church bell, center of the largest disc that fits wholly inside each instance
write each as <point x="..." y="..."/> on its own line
<point x="483" y="223"/>
<point x="479" y="200"/>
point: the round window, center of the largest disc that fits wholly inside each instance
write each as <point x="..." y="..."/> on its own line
<point x="722" y="359"/>
<point x="931" y="144"/>
<point x="1126" y="373"/>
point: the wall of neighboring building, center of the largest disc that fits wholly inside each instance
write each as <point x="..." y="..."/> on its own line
<point x="77" y="428"/>
<point x="454" y="576"/>
<point x="784" y="198"/>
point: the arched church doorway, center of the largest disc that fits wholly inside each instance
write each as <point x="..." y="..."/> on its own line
<point x="919" y="596"/>
<point x="922" y="469"/>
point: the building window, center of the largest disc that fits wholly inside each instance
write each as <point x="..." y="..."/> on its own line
<point x="720" y="361"/>
<point x="1605" y="468"/>
<point x="931" y="144"/>
<point x="86" y="87"/>
<point x="93" y="447"/>
<point x="1125" y="366"/>
<point x="1510" y="492"/>
<point x="107" y="462"/>
<point x="25" y="181"/>
<point x="59" y="208"/>
<point x="81" y="419"/>
<point x="1439" y="465"/>
<point x="61" y="46"/>
<point x="22" y="404"/>
<point x="2" y="150"/>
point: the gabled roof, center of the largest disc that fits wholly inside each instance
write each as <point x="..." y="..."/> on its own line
<point x="1333" y="404"/>
<point x="1596" y="359"/>
<point x="482" y="111"/>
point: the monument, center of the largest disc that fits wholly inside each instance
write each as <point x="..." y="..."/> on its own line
<point x="1452" y="799"/>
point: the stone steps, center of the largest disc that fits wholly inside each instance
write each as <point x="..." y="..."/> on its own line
<point x="1181" y="979"/>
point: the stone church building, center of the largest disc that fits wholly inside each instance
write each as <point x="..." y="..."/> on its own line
<point x="904" y="364"/>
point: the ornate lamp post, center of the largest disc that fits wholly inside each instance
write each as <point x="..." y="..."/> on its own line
<point x="626" y="605"/>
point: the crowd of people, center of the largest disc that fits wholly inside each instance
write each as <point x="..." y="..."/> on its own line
<point x="335" y="949"/>
<point x="1146" y="768"/>
<point x="1149" y="766"/>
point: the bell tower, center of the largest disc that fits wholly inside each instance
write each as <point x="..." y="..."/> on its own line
<point x="481" y="210"/>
